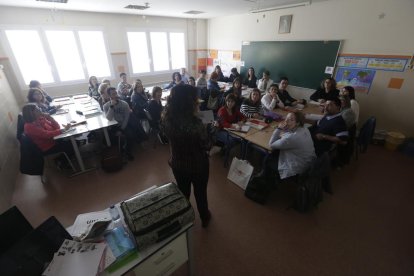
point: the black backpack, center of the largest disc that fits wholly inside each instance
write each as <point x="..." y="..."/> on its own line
<point x="258" y="189"/>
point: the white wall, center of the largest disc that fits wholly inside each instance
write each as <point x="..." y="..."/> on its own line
<point x="359" y="24"/>
<point x="114" y="27"/>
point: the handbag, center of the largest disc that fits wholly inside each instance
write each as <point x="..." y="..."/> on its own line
<point x="240" y="172"/>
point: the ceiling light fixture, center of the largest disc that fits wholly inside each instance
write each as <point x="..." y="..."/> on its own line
<point x="307" y="3"/>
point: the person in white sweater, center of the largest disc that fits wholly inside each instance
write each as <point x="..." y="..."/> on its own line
<point x="265" y="82"/>
<point x="295" y="145"/>
<point x="271" y="100"/>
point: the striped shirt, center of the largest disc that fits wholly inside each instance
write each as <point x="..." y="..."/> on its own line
<point x="248" y="109"/>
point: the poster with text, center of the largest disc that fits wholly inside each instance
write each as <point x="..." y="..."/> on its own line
<point x="359" y="79"/>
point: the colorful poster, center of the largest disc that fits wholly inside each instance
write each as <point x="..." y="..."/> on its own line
<point x="360" y="79"/>
<point x="388" y="64"/>
<point x="354" y="62"/>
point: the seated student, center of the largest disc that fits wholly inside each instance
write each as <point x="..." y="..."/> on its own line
<point x="214" y="97"/>
<point x="185" y="77"/>
<point x="326" y="92"/>
<point x="295" y="145"/>
<point x="123" y="87"/>
<point x="93" y="88"/>
<point x="347" y="113"/>
<point x="229" y="116"/>
<point x="155" y="107"/>
<point x="36" y="96"/>
<point x="251" y="107"/>
<point x="234" y="75"/>
<point x="176" y="80"/>
<point x="331" y="129"/>
<point x="236" y="90"/>
<point x="220" y="76"/>
<point x="191" y="81"/>
<point x="139" y="100"/>
<point x="212" y="83"/>
<point x="284" y="96"/>
<point x="41" y="128"/>
<point x="37" y="84"/>
<point x="265" y="82"/>
<point x="108" y="82"/>
<point x="201" y="81"/>
<point x="118" y="110"/>
<point x="271" y="100"/>
<point x="104" y="97"/>
<point x="250" y="80"/>
<point x="350" y="91"/>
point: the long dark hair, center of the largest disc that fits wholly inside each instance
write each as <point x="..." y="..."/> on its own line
<point x="30" y="95"/>
<point x="181" y="106"/>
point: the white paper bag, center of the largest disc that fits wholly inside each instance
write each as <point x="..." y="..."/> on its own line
<point x="240" y="172"/>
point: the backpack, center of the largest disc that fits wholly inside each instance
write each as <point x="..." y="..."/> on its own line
<point x="258" y="189"/>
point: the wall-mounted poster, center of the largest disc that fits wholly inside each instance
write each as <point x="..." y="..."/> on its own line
<point x="360" y="79"/>
<point x="284" y="24"/>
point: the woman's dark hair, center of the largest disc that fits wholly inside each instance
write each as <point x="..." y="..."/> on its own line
<point x="155" y="90"/>
<point x="299" y="118"/>
<point x="254" y="73"/>
<point x="191" y="78"/>
<point x="122" y="74"/>
<point x="28" y="112"/>
<point x="31" y="93"/>
<point x="333" y="81"/>
<point x="217" y="67"/>
<point x="283" y="78"/>
<point x="351" y="92"/>
<point x="181" y="105"/>
<point x="232" y="97"/>
<point x="234" y="70"/>
<point x="266" y="72"/>
<point x="275" y="86"/>
<point x="34" y="84"/>
<point x="135" y="86"/>
<point x="173" y="76"/>
<point x="239" y="81"/>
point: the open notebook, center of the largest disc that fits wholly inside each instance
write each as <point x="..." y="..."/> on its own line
<point x="244" y="128"/>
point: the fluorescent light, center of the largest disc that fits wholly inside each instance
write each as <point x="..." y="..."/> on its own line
<point x="282" y="7"/>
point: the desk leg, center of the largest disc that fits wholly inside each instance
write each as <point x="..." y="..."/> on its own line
<point x="191" y="270"/>
<point x="108" y="141"/>
<point x="77" y="153"/>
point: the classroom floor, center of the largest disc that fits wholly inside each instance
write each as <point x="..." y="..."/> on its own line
<point x="365" y="228"/>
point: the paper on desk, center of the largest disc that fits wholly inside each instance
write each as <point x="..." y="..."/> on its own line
<point x="84" y="222"/>
<point x="76" y="258"/>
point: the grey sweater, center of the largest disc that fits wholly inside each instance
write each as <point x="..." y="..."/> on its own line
<point x="120" y="113"/>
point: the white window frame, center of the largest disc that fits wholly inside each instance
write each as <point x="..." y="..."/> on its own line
<point x="41" y="31"/>
<point x="147" y="31"/>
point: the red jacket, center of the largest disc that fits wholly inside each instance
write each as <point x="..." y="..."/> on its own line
<point x="225" y="119"/>
<point x="42" y="132"/>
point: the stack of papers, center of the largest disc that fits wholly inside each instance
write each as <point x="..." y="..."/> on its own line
<point x="257" y="124"/>
<point x="77" y="258"/>
<point x="90" y="225"/>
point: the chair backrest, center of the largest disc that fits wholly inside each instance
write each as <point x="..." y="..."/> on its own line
<point x="31" y="157"/>
<point x="20" y="126"/>
<point x="366" y="133"/>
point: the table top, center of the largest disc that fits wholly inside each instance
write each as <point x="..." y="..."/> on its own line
<point x="92" y="119"/>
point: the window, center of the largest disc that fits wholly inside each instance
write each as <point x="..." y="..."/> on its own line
<point x="94" y="52"/>
<point x="30" y="55"/>
<point x="177" y="50"/>
<point x="167" y="51"/>
<point x="159" y="48"/>
<point x="66" y="55"/>
<point x="139" y="52"/>
<point x="53" y="56"/>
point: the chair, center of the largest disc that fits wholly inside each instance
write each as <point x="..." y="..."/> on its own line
<point x="365" y="136"/>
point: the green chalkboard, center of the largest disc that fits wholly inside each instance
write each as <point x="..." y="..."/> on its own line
<point x="303" y="62"/>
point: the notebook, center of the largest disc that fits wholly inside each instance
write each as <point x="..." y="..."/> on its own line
<point x="244" y="128"/>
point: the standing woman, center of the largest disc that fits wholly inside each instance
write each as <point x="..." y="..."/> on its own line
<point x="327" y="91"/>
<point x="251" y="80"/>
<point x="93" y="87"/>
<point x="189" y="146"/>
